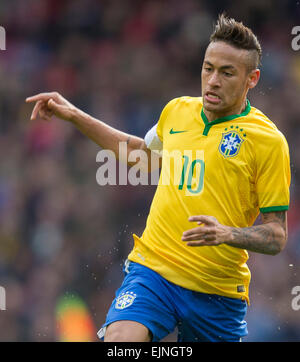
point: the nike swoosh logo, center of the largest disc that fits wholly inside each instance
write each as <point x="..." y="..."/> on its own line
<point x="174" y="132"/>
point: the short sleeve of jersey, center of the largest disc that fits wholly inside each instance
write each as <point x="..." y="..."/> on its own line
<point x="152" y="140"/>
<point x="162" y="119"/>
<point x="273" y="174"/>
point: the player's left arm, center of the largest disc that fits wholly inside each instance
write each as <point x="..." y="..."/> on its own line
<point x="268" y="238"/>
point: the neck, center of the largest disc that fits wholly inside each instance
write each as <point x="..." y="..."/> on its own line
<point x="211" y="116"/>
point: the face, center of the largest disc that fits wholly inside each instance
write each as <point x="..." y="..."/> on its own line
<point x="226" y="79"/>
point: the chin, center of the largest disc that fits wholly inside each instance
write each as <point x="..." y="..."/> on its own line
<point x="217" y="108"/>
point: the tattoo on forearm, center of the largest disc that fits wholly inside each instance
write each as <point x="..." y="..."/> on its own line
<point x="256" y="238"/>
<point x="128" y="140"/>
<point x="261" y="238"/>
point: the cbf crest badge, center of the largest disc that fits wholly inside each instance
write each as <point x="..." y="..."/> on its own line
<point x="125" y="300"/>
<point x="231" y="141"/>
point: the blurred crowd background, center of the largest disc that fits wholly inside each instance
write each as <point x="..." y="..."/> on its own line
<point x="120" y="61"/>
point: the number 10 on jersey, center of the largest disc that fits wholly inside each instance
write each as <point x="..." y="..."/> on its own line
<point x="192" y="175"/>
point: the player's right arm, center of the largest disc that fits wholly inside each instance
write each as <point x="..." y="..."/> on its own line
<point x="52" y="104"/>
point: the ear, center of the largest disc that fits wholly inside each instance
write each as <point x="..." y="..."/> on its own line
<point x="253" y="78"/>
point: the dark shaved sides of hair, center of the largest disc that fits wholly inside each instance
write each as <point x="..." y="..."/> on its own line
<point x="238" y="35"/>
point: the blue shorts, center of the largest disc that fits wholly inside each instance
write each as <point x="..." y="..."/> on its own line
<point x="151" y="300"/>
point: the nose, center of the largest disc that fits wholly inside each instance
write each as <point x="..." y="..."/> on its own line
<point x="214" y="80"/>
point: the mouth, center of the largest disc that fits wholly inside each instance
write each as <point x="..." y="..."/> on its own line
<point x="212" y="97"/>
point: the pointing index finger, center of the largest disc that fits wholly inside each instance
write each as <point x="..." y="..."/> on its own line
<point x="40" y="96"/>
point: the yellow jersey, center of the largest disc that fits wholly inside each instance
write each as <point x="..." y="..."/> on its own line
<point x="231" y="168"/>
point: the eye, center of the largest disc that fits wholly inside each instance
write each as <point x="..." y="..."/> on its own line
<point x="208" y="69"/>
<point x="227" y="74"/>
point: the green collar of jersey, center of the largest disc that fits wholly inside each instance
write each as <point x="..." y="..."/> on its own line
<point x="208" y="124"/>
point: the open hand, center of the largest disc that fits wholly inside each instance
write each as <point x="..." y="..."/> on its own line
<point x="209" y="232"/>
